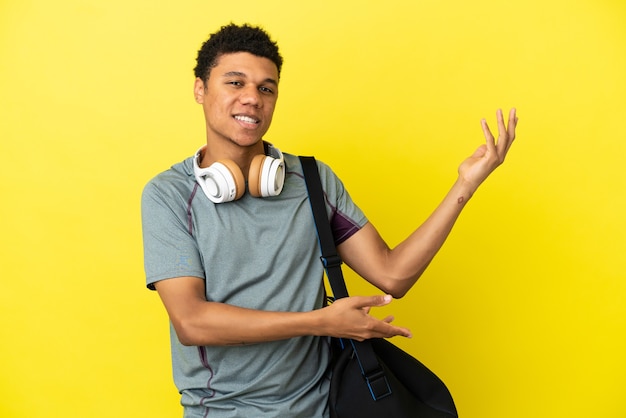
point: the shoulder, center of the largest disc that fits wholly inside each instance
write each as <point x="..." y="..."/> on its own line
<point x="294" y="166"/>
<point x="177" y="181"/>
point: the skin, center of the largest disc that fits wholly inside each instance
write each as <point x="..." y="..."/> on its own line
<point x="238" y="100"/>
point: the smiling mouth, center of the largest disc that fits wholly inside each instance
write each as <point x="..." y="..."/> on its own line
<point x="247" y="119"/>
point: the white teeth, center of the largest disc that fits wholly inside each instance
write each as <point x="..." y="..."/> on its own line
<point x="246" y="119"/>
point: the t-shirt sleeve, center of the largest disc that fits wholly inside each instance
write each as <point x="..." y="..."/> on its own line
<point x="169" y="247"/>
<point x="346" y="218"/>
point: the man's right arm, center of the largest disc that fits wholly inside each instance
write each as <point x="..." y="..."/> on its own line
<point x="199" y="322"/>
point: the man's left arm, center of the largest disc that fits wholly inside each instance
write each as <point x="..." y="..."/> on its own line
<point x="396" y="270"/>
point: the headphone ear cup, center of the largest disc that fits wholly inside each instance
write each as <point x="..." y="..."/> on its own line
<point x="273" y="177"/>
<point x="266" y="176"/>
<point x="222" y="181"/>
<point x="255" y="174"/>
<point x="238" y="183"/>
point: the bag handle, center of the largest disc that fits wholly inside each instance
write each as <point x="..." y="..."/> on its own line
<point x="370" y="367"/>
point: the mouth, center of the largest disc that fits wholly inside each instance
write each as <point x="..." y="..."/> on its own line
<point x="247" y="119"/>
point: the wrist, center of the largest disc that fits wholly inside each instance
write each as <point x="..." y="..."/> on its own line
<point x="463" y="190"/>
<point x="315" y="324"/>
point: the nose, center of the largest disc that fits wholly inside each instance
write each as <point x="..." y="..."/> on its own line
<point x="251" y="96"/>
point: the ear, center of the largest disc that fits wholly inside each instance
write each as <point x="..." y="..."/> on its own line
<point x="198" y="90"/>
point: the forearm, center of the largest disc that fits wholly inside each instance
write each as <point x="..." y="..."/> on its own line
<point x="411" y="257"/>
<point x="396" y="270"/>
<point x="211" y="323"/>
<point x="198" y="322"/>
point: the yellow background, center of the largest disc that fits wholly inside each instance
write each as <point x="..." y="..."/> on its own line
<point x="522" y="313"/>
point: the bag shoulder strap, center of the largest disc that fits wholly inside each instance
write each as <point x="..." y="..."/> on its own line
<point x="370" y="367"/>
<point x="330" y="258"/>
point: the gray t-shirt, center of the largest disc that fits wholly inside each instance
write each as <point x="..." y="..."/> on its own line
<point x="258" y="253"/>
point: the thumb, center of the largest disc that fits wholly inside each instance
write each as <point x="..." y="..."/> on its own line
<point x="480" y="151"/>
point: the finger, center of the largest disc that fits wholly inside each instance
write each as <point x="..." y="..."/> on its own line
<point x="504" y="137"/>
<point x="369" y="301"/>
<point x="502" y="133"/>
<point x="510" y="132"/>
<point x="490" y="140"/>
<point x="389" y="319"/>
<point x="480" y="151"/>
<point x="512" y="123"/>
<point x="386" y="330"/>
<point x="392" y="331"/>
<point x="398" y="331"/>
<point x="486" y="130"/>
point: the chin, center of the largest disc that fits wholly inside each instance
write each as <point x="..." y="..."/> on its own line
<point x="246" y="143"/>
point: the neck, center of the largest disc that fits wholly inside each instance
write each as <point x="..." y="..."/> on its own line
<point x="241" y="155"/>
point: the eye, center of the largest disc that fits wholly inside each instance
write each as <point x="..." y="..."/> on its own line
<point x="235" y="83"/>
<point x="266" y="90"/>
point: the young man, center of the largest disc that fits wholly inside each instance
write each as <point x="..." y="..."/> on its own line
<point x="231" y="247"/>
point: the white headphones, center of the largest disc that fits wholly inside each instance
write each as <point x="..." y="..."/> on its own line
<point x="223" y="180"/>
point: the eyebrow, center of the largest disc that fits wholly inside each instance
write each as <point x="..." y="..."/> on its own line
<point x="240" y="74"/>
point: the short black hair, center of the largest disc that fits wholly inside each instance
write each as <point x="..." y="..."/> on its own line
<point x="233" y="38"/>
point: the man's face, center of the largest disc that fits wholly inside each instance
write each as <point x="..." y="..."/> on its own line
<point x="239" y="98"/>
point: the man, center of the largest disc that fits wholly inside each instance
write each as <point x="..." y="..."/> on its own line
<point x="231" y="248"/>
